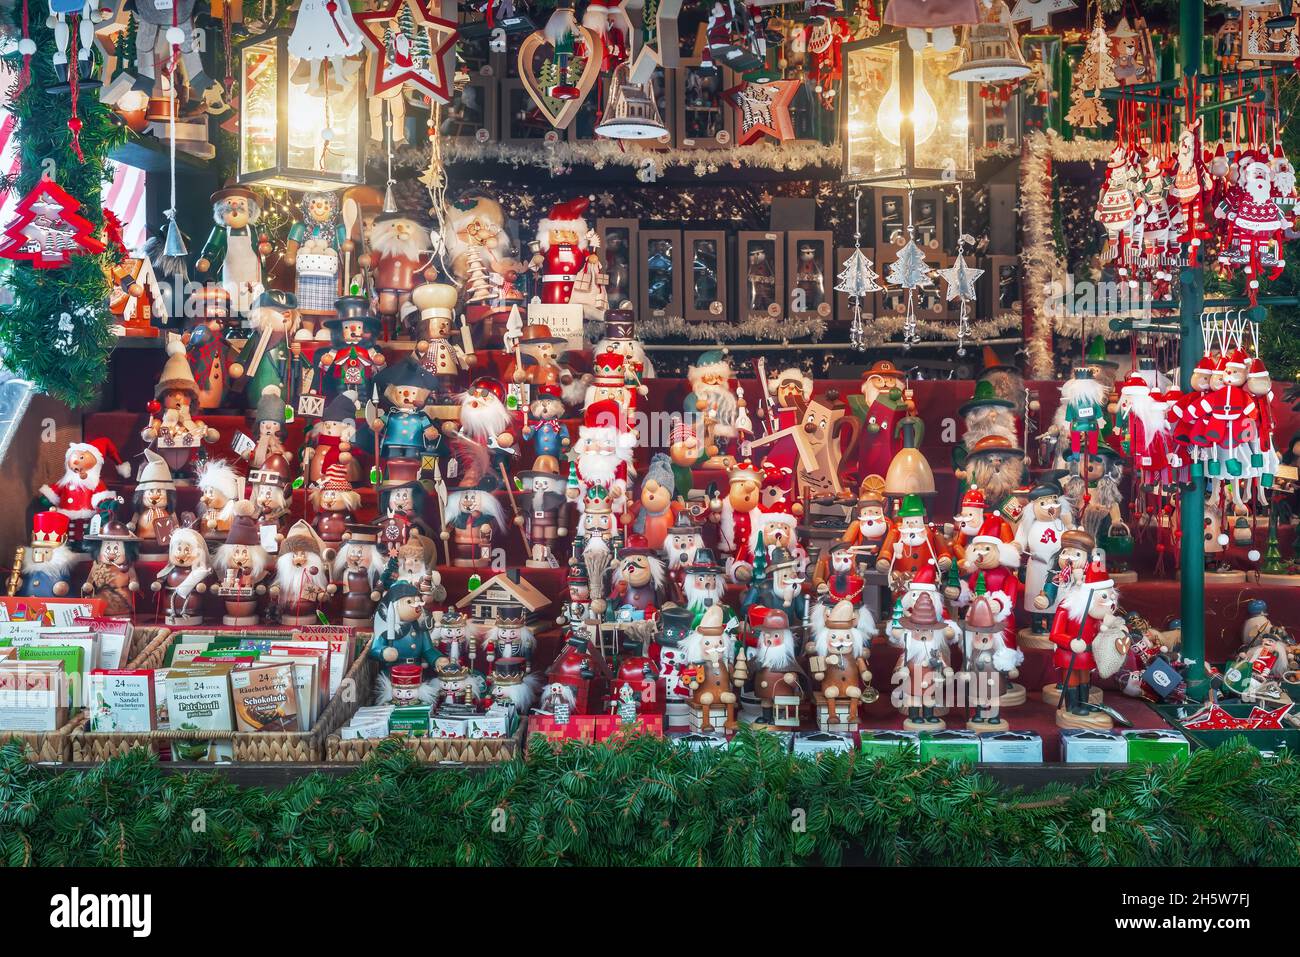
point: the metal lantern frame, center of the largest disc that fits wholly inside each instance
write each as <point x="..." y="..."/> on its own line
<point x="281" y="173"/>
<point x="908" y="174"/>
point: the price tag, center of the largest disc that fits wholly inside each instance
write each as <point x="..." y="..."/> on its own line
<point x="267" y="536"/>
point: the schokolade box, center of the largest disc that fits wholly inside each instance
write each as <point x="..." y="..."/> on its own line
<point x="954" y="745"/>
<point x="889" y="742"/>
<point x="1147" y="745"/>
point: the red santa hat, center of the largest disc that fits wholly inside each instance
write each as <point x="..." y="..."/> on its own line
<point x="974" y="498"/>
<point x="1257" y="369"/>
<point x="103" y="450"/>
<point x="1236" y="359"/>
<point x="994" y="532"/>
<point x="567" y="215"/>
<point x="598" y="12"/>
<point x="1095" y="577"/>
<point x="924" y="579"/>
<point x="1206" y="364"/>
<point x="1134" y="386"/>
<point x="604" y="414"/>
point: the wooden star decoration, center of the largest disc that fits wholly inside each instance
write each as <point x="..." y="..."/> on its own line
<point x="763" y="109"/>
<point x="960" y="279"/>
<point x="412" y="46"/>
<point x="116" y="79"/>
<point x="1039" y="12"/>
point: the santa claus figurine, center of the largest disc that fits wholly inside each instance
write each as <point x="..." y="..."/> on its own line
<point x="1255" y="224"/>
<point x="1088" y="636"/>
<point x="483" y="440"/>
<point x="869" y="529"/>
<point x="968" y="520"/>
<point x="569" y="268"/>
<point x="990" y="664"/>
<point x="921" y="629"/>
<point x="774" y="661"/>
<point x="991" y="563"/>
<point x="603" y="456"/>
<point x="911" y="546"/>
<point x="400" y="259"/>
<point x="80" y="492"/>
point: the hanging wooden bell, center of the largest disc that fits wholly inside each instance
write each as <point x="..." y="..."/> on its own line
<point x="631" y="111"/>
<point x="909" y="473"/>
<point x="991" y="50"/>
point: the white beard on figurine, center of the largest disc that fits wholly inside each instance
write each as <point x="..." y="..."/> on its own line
<point x="1079" y="393"/>
<point x="558" y="699"/>
<point x="601" y="454"/>
<point x="680" y="549"/>
<point x="702" y="591"/>
<point x="447" y="689"/>
<point x="296" y="580"/>
<point x="632" y="350"/>
<point x="987" y="421"/>
<point x="483" y="416"/>
<point x="517" y="694"/>
<point x="1004" y="658"/>
<point x="779" y="530"/>
<point x="777" y="653"/>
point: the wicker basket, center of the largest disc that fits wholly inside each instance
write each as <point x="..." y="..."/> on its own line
<point x="289" y="747"/>
<point x="148" y="645"/>
<point x="426" y="750"/>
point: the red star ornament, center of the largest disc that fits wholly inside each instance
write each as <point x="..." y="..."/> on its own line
<point x="763" y="109"/>
<point x="410" y="45"/>
<point x="1264" y="719"/>
<point x="1214" y="718"/>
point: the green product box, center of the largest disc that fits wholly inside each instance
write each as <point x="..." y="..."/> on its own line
<point x="889" y="742"/>
<point x="412" y="722"/>
<point x="1156" y="744"/>
<point x="959" y="746"/>
<point x="71" y="656"/>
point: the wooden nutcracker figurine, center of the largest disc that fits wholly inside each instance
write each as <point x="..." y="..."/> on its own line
<point x="112" y="577"/>
<point x="357" y="570"/>
<point x="989" y="664"/>
<point x="236" y="248"/>
<point x="1089" y="636"/>
<point x="405" y="426"/>
<point x="401" y="638"/>
<point x="352" y="361"/>
<point x="838" y="663"/>
<point x="543" y="514"/>
<point x="243" y="568"/>
<point x="266" y="357"/>
<point x="472" y="521"/>
<point x="47" y="565"/>
<point x="184" y="578"/>
<point x="436" y="348"/>
<point x="453" y="639"/>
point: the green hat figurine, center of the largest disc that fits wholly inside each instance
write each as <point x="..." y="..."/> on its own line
<point x="1096" y="354"/>
<point x="912" y="507"/>
<point x="985" y="398"/>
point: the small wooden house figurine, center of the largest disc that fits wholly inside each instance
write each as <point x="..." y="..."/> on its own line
<point x="507" y="590"/>
<point x="135" y="298"/>
<point x="581" y="666"/>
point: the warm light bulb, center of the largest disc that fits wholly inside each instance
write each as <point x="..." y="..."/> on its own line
<point x="925" y="117"/>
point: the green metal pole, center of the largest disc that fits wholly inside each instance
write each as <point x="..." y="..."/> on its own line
<point x="1192" y="294"/>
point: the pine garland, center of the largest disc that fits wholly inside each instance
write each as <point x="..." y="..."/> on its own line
<point x="80" y="289"/>
<point x="650" y="803"/>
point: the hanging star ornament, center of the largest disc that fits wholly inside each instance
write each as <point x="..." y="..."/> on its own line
<point x="763" y="109"/>
<point x="1039" y="12"/>
<point x="410" y="45"/>
<point x="960" y="279"/>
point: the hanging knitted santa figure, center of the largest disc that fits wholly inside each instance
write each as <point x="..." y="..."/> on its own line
<point x="1084" y="399"/>
<point x="1190" y="187"/>
<point x="1117" y="207"/>
<point x="81" y="491"/>
<point x="1228" y="417"/>
<point x="1255" y="224"/>
<point x="1143" y="420"/>
<point x="1264" y="457"/>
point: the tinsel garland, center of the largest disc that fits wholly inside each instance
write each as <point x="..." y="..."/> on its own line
<point x="649" y="803"/>
<point x="1043" y="263"/>
<point x="73" y="299"/>
<point x="562" y="156"/>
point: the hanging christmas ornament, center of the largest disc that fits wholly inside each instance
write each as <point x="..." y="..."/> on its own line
<point x="763" y="109"/>
<point x="631" y="112"/>
<point x="960" y="281"/>
<point x="48" y="230"/>
<point x="1192" y="184"/>
<point x="566" y="73"/>
<point x="1096" y="72"/>
<point x="827" y="32"/>
<point x="1253" y="235"/>
<point x="857" y="278"/>
<point x="909" y="271"/>
<point x="991" y="49"/>
<point x="1040" y="12"/>
<point x="411" y="46"/>
<point x="608" y="20"/>
<point x="1117" y="208"/>
<point x="324" y="31"/>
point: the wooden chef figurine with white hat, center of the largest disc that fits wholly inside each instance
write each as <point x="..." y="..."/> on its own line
<point x="155" y="506"/>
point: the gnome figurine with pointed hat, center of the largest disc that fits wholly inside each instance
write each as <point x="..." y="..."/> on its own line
<point x="173" y="432"/>
<point x="243" y="567"/>
<point x="838" y="664"/>
<point x="154" y="503"/>
<point x="921" y="629"/>
<point x="708" y="674"/>
<point x="302" y="576"/>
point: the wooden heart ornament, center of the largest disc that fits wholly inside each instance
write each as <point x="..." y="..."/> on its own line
<point x="559" y="113"/>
